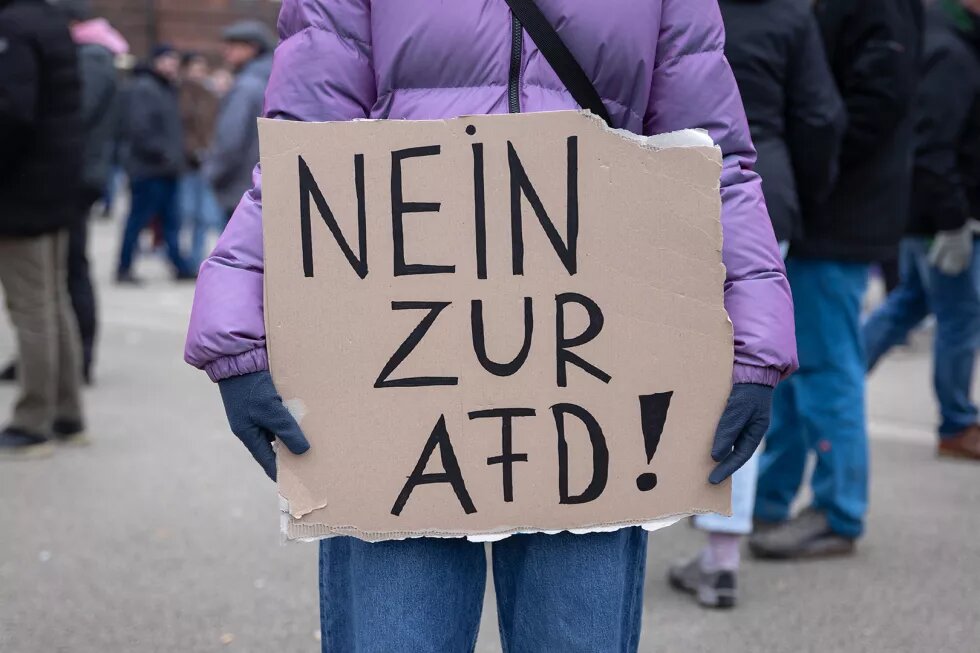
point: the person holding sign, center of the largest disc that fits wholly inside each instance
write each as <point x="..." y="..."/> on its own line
<point x="648" y="66"/>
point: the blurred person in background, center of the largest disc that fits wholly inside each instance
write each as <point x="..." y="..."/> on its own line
<point x="873" y="47"/>
<point x="40" y="176"/>
<point x="797" y="121"/>
<point x="98" y="44"/>
<point x="940" y="261"/>
<point x="154" y="160"/>
<point x="198" y="111"/>
<point x="234" y="151"/>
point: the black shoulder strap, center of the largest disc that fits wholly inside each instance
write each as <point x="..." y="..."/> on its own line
<point x="566" y="67"/>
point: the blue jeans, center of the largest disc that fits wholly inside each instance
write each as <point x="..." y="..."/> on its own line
<point x="955" y="301"/>
<point x="199" y="210"/>
<point x="154" y="197"/>
<point x="564" y="592"/>
<point x="821" y="407"/>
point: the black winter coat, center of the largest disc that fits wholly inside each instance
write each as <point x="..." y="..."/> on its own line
<point x="873" y="47"/>
<point x="154" y="134"/>
<point x="795" y="113"/>
<point x="40" y="132"/>
<point x="946" y="186"/>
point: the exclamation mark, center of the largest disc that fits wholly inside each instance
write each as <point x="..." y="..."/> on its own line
<point x="653" y="416"/>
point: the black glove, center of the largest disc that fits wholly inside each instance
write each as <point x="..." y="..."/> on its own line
<point x="741" y="428"/>
<point x="257" y="416"/>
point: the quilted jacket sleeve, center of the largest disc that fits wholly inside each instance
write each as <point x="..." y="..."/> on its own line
<point x="322" y="72"/>
<point x="693" y="87"/>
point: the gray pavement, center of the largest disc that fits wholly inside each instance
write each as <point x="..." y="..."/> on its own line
<point x="163" y="535"/>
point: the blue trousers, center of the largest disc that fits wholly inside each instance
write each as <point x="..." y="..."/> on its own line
<point x="564" y="592"/>
<point x="955" y="301"/>
<point x="153" y="197"/>
<point x="200" y="212"/>
<point x="821" y="407"/>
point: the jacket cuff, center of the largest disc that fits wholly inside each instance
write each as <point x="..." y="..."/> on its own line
<point x="742" y="373"/>
<point x="254" y="360"/>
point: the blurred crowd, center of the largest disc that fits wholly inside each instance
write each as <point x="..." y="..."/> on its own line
<point x="865" y="115"/>
<point x="175" y="131"/>
<point x="190" y="142"/>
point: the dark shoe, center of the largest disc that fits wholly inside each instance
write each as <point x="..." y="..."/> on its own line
<point x="717" y="589"/>
<point x="9" y="373"/>
<point x="16" y="444"/>
<point x="806" y="536"/>
<point x="965" y="444"/>
<point x="70" y="432"/>
<point x="127" y="279"/>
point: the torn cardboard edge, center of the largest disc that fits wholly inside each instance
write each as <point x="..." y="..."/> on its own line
<point x="293" y="531"/>
<point x="680" y="138"/>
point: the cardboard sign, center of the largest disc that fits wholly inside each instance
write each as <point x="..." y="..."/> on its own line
<point x="494" y="324"/>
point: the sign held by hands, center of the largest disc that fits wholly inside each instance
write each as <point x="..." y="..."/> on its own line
<point x="495" y="324"/>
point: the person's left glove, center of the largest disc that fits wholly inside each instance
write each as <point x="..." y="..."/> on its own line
<point x="257" y="416"/>
<point x="740" y="429"/>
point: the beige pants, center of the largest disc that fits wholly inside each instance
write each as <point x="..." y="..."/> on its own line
<point x="34" y="279"/>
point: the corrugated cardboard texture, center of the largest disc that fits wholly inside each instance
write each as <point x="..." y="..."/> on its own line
<point x="383" y="462"/>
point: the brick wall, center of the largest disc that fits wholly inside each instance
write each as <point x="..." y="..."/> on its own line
<point x="188" y="24"/>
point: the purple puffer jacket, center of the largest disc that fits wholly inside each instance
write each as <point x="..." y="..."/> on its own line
<point x="658" y="65"/>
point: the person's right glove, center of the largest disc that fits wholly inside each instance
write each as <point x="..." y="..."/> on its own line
<point x="952" y="251"/>
<point x="257" y="416"/>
